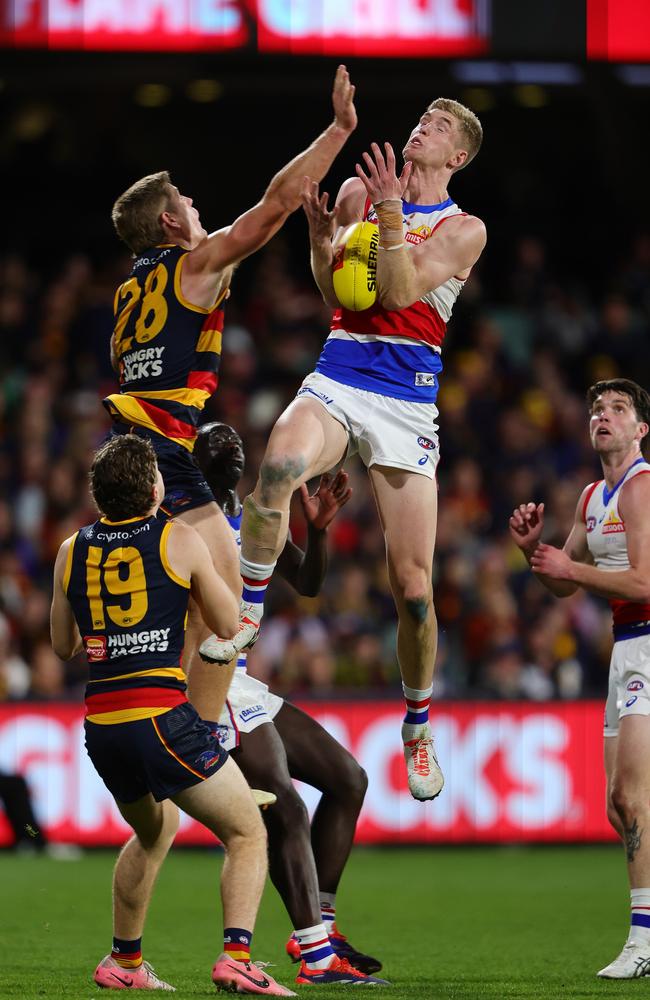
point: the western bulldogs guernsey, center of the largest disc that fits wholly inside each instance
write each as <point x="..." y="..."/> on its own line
<point x="168" y="350"/>
<point x="130" y="608"/>
<point x="396" y="353"/>
<point x="608" y="546"/>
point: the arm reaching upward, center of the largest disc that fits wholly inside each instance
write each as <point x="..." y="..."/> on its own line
<point x="255" y="227"/>
<point x="305" y="571"/>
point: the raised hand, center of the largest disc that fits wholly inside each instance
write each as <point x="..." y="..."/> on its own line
<point x="322" y="222"/>
<point x="345" y="114"/>
<point x="381" y="180"/>
<point x="332" y="494"/>
<point x="526" y="525"/>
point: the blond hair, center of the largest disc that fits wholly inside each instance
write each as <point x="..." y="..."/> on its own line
<point x="470" y="127"/>
<point x="136" y="213"/>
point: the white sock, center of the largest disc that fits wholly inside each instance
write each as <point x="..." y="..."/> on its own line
<point x="328" y="909"/>
<point x="417" y="711"/>
<point x="256" y="579"/>
<point x="640" y="915"/>
<point x="315" y="948"/>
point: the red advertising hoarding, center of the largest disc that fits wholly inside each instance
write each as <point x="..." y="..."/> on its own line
<point x="328" y="27"/>
<point x="514" y="773"/>
<point x="618" y="30"/>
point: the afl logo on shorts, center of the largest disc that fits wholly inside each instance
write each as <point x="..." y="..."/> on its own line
<point x="591" y="523"/>
<point x="426" y="443"/>
<point x="95" y="646"/>
<point x="634" y="686"/>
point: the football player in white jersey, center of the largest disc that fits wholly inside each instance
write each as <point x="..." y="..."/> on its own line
<point x="374" y="392"/>
<point x="272" y="741"/>
<point x="608" y="553"/>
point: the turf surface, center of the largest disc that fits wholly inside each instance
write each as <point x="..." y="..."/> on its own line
<point x="454" y="924"/>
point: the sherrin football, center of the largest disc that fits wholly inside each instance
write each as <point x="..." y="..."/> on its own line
<point x="354" y="271"/>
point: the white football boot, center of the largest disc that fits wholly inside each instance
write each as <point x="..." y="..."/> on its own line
<point x="425" y="778"/>
<point x="632" y="963"/>
<point x="216" y="650"/>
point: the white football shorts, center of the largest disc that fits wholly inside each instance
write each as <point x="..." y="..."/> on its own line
<point x="249" y="704"/>
<point x="629" y="682"/>
<point x="383" y="430"/>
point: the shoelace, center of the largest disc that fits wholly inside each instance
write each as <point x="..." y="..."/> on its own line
<point x="344" y="966"/>
<point x="420" y="757"/>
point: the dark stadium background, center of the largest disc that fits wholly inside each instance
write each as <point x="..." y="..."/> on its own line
<point x="561" y="298"/>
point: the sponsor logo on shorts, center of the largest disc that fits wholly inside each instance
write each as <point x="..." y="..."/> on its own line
<point x="630" y="701"/>
<point x="96" y="647"/>
<point x="425" y="378"/>
<point x="251" y="710"/>
<point x="426" y="443"/>
<point x="423" y="460"/>
<point x="634" y="686"/>
<point x="320" y="395"/>
<point x="207" y="759"/>
<point x="591" y="523"/>
<point x="221" y="733"/>
<point x="177" y="498"/>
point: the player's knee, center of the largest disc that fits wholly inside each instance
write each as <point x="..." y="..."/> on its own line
<point x="614" y="818"/>
<point x="414" y="592"/>
<point x="280" y="474"/>
<point x="353" y="780"/>
<point x="159" y="836"/>
<point x="289" y="811"/>
<point x="628" y="804"/>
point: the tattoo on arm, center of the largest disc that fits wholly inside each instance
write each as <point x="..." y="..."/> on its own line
<point x="632" y="840"/>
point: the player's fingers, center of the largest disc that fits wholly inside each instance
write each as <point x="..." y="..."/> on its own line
<point x="371" y="165"/>
<point x="304" y="493"/>
<point x="358" y="169"/>
<point x="390" y="156"/>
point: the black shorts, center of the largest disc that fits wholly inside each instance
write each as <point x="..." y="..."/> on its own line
<point x="185" y="484"/>
<point x="162" y="755"/>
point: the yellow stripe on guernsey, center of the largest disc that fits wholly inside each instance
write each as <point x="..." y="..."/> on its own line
<point x="178" y="292"/>
<point x="68" y="563"/>
<point x="164" y="558"/>
<point x="130" y="411"/>
<point x="126" y="715"/>
<point x="210" y="340"/>
<point x="190" y="397"/>
<point x="176" y="672"/>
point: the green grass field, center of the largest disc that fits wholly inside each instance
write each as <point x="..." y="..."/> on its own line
<point x="483" y="922"/>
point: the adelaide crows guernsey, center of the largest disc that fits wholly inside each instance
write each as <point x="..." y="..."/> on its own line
<point x="396" y="352"/>
<point x="607" y="543"/>
<point x="168" y="350"/>
<point x="130" y="607"/>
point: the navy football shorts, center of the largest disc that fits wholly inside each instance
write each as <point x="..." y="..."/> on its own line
<point x="162" y="755"/>
<point x="185" y="484"/>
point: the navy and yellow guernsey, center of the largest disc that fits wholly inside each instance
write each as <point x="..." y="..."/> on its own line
<point x="168" y="350"/>
<point x="130" y="607"/>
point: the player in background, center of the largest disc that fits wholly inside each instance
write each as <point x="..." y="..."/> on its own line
<point x="121" y="590"/>
<point x="607" y="553"/>
<point x="272" y="741"/>
<point x="374" y="391"/>
<point x="166" y="342"/>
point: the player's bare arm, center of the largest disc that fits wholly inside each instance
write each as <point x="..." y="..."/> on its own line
<point x="526" y="527"/>
<point x="282" y="197"/>
<point x="190" y="559"/>
<point x="631" y="584"/>
<point x="305" y="571"/>
<point x="66" y="640"/>
<point x="325" y="228"/>
<point x="406" y="272"/>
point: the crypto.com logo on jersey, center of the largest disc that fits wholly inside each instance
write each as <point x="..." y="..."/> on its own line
<point x="517" y="773"/>
<point x="332" y="27"/>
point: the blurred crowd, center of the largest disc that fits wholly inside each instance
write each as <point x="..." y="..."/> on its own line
<point x="513" y="428"/>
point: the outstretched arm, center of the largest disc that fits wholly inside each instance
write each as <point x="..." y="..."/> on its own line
<point x="190" y="559"/>
<point x="405" y="272"/>
<point x="526" y="526"/>
<point x="305" y="571"/>
<point x="325" y="228"/>
<point x="256" y="226"/>
<point x="631" y="584"/>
